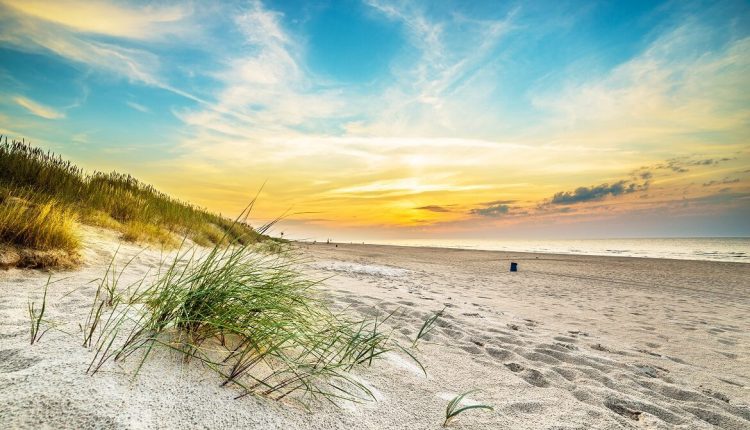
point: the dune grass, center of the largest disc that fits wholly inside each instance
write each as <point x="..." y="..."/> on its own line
<point x="44" y="225"/>
<point x="36" y="317"/>
<point x="247" y="315"/>
<point x="136" y="231"/>
<point x="454" y="407"/>
<point x="42" y="196"/>
<point x="427" y="326"/>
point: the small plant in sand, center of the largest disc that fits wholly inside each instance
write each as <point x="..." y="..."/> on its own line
<point x="36" y="317"/>
<point x="454" y="407"/>
<point x="428" y="326"/>
<point x="107" y="296"/>
<point x="248" y="316"/>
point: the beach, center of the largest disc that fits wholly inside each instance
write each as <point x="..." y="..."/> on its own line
<point x="568" y="341"/>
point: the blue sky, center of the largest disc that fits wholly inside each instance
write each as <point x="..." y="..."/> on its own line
<point x="394" y="118"/>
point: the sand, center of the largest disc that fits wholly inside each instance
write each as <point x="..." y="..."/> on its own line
<point x="567" y="342"/>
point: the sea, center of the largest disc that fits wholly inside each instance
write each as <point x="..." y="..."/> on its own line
<point x="735" y="249"/>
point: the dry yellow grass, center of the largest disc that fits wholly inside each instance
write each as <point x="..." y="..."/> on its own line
<point x="209" y="234"/>
<point x="100" y="219"/>
<point x="136" y="231"/>
<point x="43" y="197"/>
<point x="42" y="226"/>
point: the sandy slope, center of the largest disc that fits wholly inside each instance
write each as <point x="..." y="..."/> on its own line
<point x="568" y="342"/>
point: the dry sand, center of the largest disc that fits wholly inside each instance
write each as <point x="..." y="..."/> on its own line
<point x="567" y="342"/>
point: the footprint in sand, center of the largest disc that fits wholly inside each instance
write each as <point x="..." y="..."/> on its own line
<point x="11" y="360"/>
<point x="528" y="407"/>
<point x="13" y="334"/>
<point x="499" y="353"/>
<point x="568" y="346"/>
<point x="716" y="395"/>
<point x="622" y="410"/>
<point x="715" y="418"/>
<point x="471" y="349"/>
<point x="651" y="371"/>
<point x="634" y="409"/>
<point x="568" y="374"/>
<point x="532" y="376"/>
<point x="535" y="377"/>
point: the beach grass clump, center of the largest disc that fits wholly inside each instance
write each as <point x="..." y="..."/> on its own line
<point x="59" y="192"/>
<point x="209" y="234"/>
<point x="36" y="317"/>
<point x="100" y="218"/>
<point x="136" y="231"/>
<point x="427" y="326"/>
<point x="456" y="407"/>
<point x="43" y="225"/>
<point x="248" y="316"/>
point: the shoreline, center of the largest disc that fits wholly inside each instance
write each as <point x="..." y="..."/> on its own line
<point x="506" y="252"/>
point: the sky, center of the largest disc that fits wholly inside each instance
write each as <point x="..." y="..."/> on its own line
<point x="386" y="119"/>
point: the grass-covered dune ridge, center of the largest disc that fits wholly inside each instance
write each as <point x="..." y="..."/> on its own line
<point x="38" y="185"/>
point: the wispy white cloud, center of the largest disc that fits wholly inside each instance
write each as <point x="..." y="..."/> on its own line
<point x="106" y="18"/>
<point x="36" y="27"/>
<point x="405" y="186"/>
<point x="450" y="75"/>
<point x="668" y="91"/>
<point x="38" y="109"/>
<point x="137" y="106"/>
<point x="268" y="94"/>
<point x="265" y="92"/>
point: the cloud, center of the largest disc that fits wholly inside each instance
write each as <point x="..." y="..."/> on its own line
<point x="263" y="90"/>
<point x="405" y="186"/>
<point x="493" y="211"/>
<point x="681" y="164"/>
<point x="499" y="202"/>
<point x="675" y="166"/>
<point x="31" y="27"/>
<point x="138" y="107"/>
<point x="723" y="197"/>
<point x="452" y="67"/>
<point x="597" y="192"/>
<point x="585" y="194"/>
<point x="104" y="18"/>
<point x="38" y="109"/>
<point x="682" y="86"/>
<point x="721" y="182"/>
<point x="435" y="208"/>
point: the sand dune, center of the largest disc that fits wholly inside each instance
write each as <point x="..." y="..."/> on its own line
<point x="567" y="342"/>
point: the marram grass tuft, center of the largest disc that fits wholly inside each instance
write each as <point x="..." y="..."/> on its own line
<point x="42" y="225"/>
<point x="246" y="314"/>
